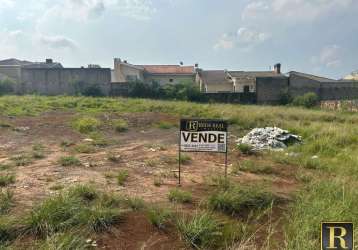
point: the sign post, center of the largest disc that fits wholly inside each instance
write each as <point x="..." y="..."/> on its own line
<point x="203" y="135"/>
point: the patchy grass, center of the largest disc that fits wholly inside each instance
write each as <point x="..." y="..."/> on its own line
<point x="122" y="177"/>
<point x="114" y="157"/>
<point x="158" y="181"/>
<point x="159" y="217"/>
<point x="164" y="125"/>
<point x="6" y="201"/>
<point x="23" y="159"/>
<point x="245" y="149"/>
<point x="67" y="240"/>
<point x="253" y="167"/>
<point x="5" y="166"/>
<point x="86" y="125"/>
<point x="180" y="196"/>
<point x="85" y="148"/>
<point x="72" y="209"/>
<point x="120" y="125"/>
<point x="7" y="179"/>
<point x="135" y="203"/>
<point x="202" y="230"/>
<point x="240" y="199"/>
<point x="185" y="159"/>
<point x="67" y="161"/>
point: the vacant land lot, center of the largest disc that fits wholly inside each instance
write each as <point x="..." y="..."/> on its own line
<point x="87" y="173"/>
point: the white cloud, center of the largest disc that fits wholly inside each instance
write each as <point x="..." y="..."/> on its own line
<point x="225" y="42"/>
<point x="57" y="42"/>
<point x="330" y="56"/>
<point x="250" y="36"/>
<point x="6" y="3"/>
<point x="294" y="10"/>
<point x="137" y="9"/>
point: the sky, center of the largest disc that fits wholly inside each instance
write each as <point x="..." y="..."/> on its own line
<point x="313" y="36"/>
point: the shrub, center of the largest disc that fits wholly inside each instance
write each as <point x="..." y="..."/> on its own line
<point x="7" y="179"/>
<point x="67" y="161"/>
<point x="6" y="201"/>
<point x="284" y="97"/>
<point x="86" y="124"/>
<point x="202" y="231"/>
<point x="164" y="125"/>
<point x="255" y="167"/>
<point x="122" y="177"/>
<point x="93" y="90"/>
<point x="159" y="217"/>
<point x="180" y="196"/>
<point x="6" y="86"/>
<point x="238" y="199"/>
<point x="6" y="231"/>
<point x="120" y="125"/>
<point x="308" y="100"/>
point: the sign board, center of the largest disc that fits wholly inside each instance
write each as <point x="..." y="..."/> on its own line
<point x="199" y="135"/>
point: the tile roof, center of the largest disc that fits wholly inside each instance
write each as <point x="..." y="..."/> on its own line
<point x="214" y="77"/>
<point x="168" y="69"/>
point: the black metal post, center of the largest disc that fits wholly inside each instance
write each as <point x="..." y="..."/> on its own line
<point x="179" y="159"/>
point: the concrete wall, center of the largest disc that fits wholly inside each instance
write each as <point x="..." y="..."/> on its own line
<point x="63" y="81"/>
<point x="11" y="71"/>
<point x="269" y="89"/>
<point x="344" y="90"/>
<point x="166" y="79"/>
<point x="300" y="85"/>
<point x="217" y="88"/>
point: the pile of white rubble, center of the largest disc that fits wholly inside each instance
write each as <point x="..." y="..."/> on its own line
<point x="272" y="138"/>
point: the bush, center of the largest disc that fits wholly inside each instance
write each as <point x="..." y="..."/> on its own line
<point x="135" y="203"/>
<point x="308" y="100"/>
<point x="93" y="90"/>
<point x="284" y="97"/>
<point x="86" y="124"/>
<point x="85" y="148"/>
<point x="6" y="86"/>
<point x="177" y="195"/>
<point x="186" y="90"/>
<point x="68" y="241"/>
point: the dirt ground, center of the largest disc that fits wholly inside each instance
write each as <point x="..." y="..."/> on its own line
<point x="148" y="153"/>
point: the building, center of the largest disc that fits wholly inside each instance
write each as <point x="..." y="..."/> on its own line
<point x="214" y="81"/>
<point x="163" y="74"/>
<point x="51" y="78"/>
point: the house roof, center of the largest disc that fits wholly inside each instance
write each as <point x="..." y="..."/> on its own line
<point x="254" y="74"/>
<point x="168" y="69"/>
<point x="28" y="64"/>
<point x="312" y="77"/>
<point x="214" y="77"/>
<point x="13" y="62"/>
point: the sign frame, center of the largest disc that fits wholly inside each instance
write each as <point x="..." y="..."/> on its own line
<point x="183" y="128"/>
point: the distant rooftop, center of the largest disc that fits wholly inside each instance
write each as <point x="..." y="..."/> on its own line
<point x="214" y="76"/>
<point x="254" y="74"/>
<point x="313" y="77"/>
<point x="27" y="64"/>
<point x="168" y="69"/>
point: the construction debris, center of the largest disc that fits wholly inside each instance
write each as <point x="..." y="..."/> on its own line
<point x="272" y="138"/>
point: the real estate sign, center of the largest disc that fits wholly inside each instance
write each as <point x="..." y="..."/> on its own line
<point x="199" y="135"/>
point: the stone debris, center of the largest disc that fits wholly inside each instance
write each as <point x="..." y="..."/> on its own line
<point x="272" y="138"/>
<point x="21" y="129"/>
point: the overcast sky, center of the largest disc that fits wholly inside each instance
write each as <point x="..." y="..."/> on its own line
<point x="315" y="36"/>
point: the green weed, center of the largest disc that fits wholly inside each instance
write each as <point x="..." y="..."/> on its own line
<point x="67" y="161"/>
<point x="180" y="196"/>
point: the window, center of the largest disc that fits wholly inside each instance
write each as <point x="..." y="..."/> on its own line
<point x="131" y="78"/>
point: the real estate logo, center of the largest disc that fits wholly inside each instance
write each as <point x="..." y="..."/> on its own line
<point x="337" y="235"/>
<point x="192" y="125"/>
